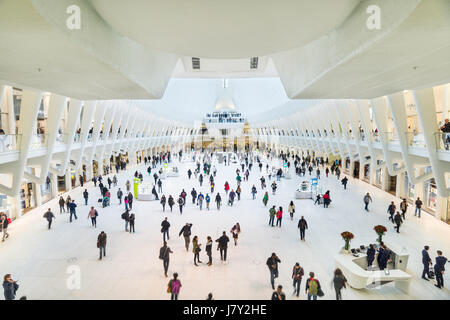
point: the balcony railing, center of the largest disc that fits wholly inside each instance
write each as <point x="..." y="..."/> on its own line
<point x="442" y="140"/>
<point x="38" y="141"/>
<point x="10" y="142"/>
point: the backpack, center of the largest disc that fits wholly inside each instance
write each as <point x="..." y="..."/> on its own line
<point x="123" y="215"/>
<point x="162" y="252"/>
<point x="175" y="286"/>
<point x="313" y="287"/>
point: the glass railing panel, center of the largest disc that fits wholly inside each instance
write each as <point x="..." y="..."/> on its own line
<point x="10" y="142"/>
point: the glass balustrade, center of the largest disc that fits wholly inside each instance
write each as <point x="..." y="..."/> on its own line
<point x="442" y="140"/>
<point x="10" y="142"/>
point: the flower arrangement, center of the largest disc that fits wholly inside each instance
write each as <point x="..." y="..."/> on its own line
<point x="347" y="236"/>
<point x="380" y="230"/>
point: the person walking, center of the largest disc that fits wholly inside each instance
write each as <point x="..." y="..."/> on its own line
<point x="62" y="204"/>
<point x="130" y="200"/>
<point x="4" y="226"/>
<point x="85" y="196"/>
<point x="218" y="201"/>
<point x="132" y="220"/>
<point x="439" y="269"/>
<point x="344" y="182"/>
<point x="223" y="246"/>
<point x="196" y="250"/>
<point x="119" y="196"/>
<point x="128" y="185"/>
<point x="164" y="255"/>
<point x="165" y="225"/>
<point x="302" y="225"/>
<point x="266" y="198"/>
<point x="126" y="216"/>
<point x="49" y="216"/>
<point x="200" y="199"/>
<point x="170" y="202"/>
<point x="10" y="287"/>
<point x="391" y="211"/>
<point x="403" y="207"/>
<point x="297" y="274"/>
<point x="212" y="187"/>
<point x="72" y="209"/>
<point x="227" y="187"/>
<point x="370" y="255"/>
<point x="272" y="213"/>
<point x="274" y="187"/>
<point x="208" y="200"/>
<point x="235" y="231"/>
<point x="181" y="204"/>
<point x="272" y="264"/>
<point x="291" y="209"/>
<point x="160" y="185"/>
<point x="208" y="249"/>
<point x="427" y="262"/>
<point x="68" y="202"/>
<point x="189" y="172"/>
<point x="367" y="199"/>
<point x="312" y="287"/>
<point x="93" y="215"/>
<point x="278" y="294"/>
<point x="339" y="281"/>
<point x="174" y="287"/>
<point x="186" y="231"/>
<point x="279" y="216"/>
<point x="126" y="203"/>
<point x="398" y="221"/>
<point x="163" y="202"/>
<point x="194" y="195"/>
<point x="238" y="192"/>
<point x="418" y="206"/>
<point x="231" y="197"/>
<point x="254" y="192"/>
<point x="101" y="244"/>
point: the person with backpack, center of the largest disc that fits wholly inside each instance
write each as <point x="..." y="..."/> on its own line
<point x="291" y="209"/>
<point x="181" y="204"/>
<point x="174" y="287"/>
<point x="208" y="200"/>
<point x="339" y="281"/>
<point x="367" y="199"/>
<point x="254" y="191"/>
<point x="312" y="287"/>
<point x="278" y="294"/>
<point x="223" y="246"/>
<point x="196" y="250"/>
<point x="274" y="187"/>
<point x="297" y="274"/>
<point x="170" y="202"/>
<point x="10" y="287"/>
<point x="119" y="196"/>
<point x="272" y="213"/>
<point x="265" y="198"/>
<point x="186" y="231"/>
<point x="200" y="199"/>
<point x="49" y="216"/>
<point x="302" y="225"/>
<point x="85" y="196"/>
<point x="279" y="216"/>
<point x="418" y="206"/>
<point x="163" y="202"/>
<point x="126" y="216"/>
<point x="132" y="220"/>
<point x="208" y="249"/>
<point x="164" y="254"/>
<point x="72" y="207"/>
<point x="272" y="264"/>
<point x="93" y="215"/>
<point x="218" y="201"/>
<point x="101" y="244"/>
<point x="165" y="225"/>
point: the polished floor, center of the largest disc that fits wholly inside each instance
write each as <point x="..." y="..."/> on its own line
<point x="41" y="259"/>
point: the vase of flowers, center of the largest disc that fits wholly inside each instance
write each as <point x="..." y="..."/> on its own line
<point x="380" y="230"/>
<point x="347" y="236"/>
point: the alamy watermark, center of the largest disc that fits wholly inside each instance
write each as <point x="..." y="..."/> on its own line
<point x="373" y="22"/>
<point x="73" y="22"/>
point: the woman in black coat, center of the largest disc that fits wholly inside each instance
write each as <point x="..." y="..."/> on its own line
<point x="370" y="255"/>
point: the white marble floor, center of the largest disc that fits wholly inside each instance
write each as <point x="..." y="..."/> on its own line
<point x="40" y="258"/>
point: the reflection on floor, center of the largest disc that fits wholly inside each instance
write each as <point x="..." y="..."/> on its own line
<point x="41" y="260"/>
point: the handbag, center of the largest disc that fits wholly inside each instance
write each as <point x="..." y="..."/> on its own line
<point x="320" y="292"/>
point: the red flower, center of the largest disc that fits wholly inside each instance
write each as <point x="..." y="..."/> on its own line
<point x="347" y="235"/>
<point x="380" y="229"/>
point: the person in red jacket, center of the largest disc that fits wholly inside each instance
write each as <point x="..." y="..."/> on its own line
<point x="227" y="187"/>
<point x="279" y="216"/>
<point x="326" y="199"/>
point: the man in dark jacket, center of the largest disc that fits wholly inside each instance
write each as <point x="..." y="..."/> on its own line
<point x="101" y="244"/>
<point x="194" y="195"/>
<point x="49" y="216"/>
<point x="165" y="225"/>
<point x="119" y="195"/>
<point x="186" y="231"/>
<point x="164" y="254"/>
<point x="297" y="274"/>
<point x="272" y="264"/>
<point x="426" y="260"/>
<point x="391" y="211"/>
<point x="418" y="206"/>
<point x="10" y="287"/>
<point x="398" y="221"/>
<point x="439" y="268"/>
<point x="344" y="182"/>
<point x="223" y="246"/>
<point x="208" y="250"/>
<point x="279" y="294"/>
<point x="302" y="225"/>
<point x="85" y="196"/>
<point x="72" y="207"/>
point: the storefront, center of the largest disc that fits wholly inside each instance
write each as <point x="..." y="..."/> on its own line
<point x="379" y="176"/>
<point x="409" y="190"/>
<point x="392" y="184"/>
<point x="46" y="190"/>
<point x="367" y="173"/>
<point x="27" y="198"/>
<point x="430" y="195"/>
